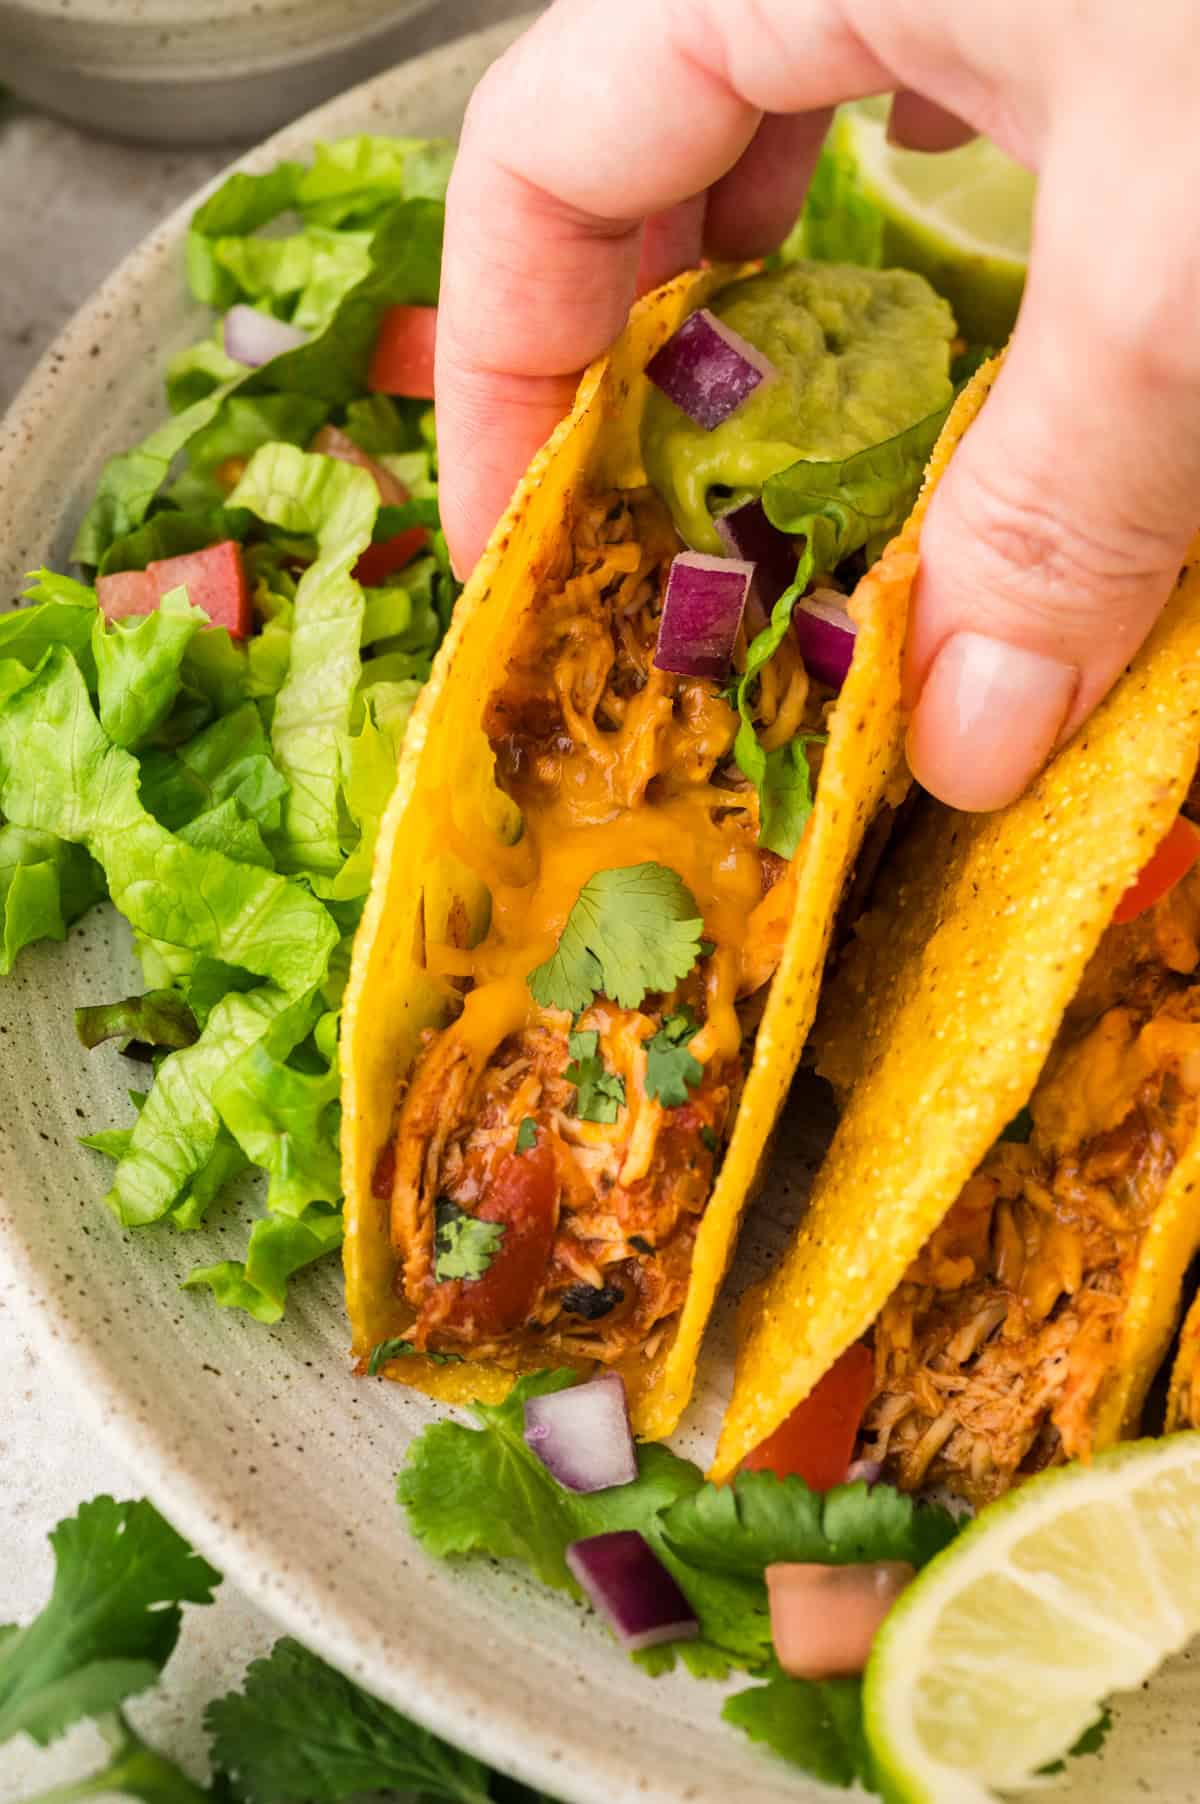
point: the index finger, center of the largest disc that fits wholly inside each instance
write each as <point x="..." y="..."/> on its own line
<point x="606" y="112"/>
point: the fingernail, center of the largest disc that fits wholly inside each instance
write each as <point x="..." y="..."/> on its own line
<point x="988" y="717"/>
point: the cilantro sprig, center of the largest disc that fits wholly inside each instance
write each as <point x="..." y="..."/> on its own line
<point x="464" y="1246"/>
<point x="631" y="931"/>
<point x="671" y="1070"/>
<point x="399" y="1348"/>
<point x="601" y="1092"/>
<point x="297" y="1730"/>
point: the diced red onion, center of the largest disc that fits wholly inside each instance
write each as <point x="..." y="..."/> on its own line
<point x="707" y="369"/>
<point x="582" y="1435"/>
<point x="748" y="534"/>
<point x="253" y="338"/>
<point x="826" y="635"/>
<point x="864" y="1471"/>
<point x="824" y="1618"/>
<point x="629" y="1585"/>
<point x="702" y="610"/>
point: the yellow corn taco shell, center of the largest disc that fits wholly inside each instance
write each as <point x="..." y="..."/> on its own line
<point x="450" y="831"/>
<point x="1183" y="1398"/>
<point x="938" y="1024"/>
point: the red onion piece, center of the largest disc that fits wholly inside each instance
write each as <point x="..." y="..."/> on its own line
<point x="864" y="1471"/>
<point x="707" y="369"/>
<point x="824" y="1618"/>
<point x="629" y="1585"/>
<point x="582" y="1436"/>
<point x="253" y="338"/>
<point x="702" y="610"/>
<point x="826" y="634"/>
<point x="748" y="534"/>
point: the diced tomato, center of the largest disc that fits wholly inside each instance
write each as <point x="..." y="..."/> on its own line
<point x="817" y="1439"/>
<point x="378" y="562"/>
<point x="402" y="361"/>
<point x="1173" y="858"/>
<point x="126" y="592"/>
<point x="524" y="1196"/>
<point x="215" y="579"/>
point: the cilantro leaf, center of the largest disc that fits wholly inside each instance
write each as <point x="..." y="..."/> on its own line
<point x="671" y="1069"/>
<point x="298" y="1729"/>
<point x="398" y="1348"/>
<point x="759" y="1519"/>
<point x="527" y="1135"/>
<point x="601" y="1092"/>
<point x="631" y="930"/>
<point x="482" y="1491"/>
<point x="111" y="1621"/>
<point x="464" y="1246"/>
<point x="817" y="1725"/>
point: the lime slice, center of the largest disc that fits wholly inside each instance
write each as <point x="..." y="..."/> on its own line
<point x="963" y="217"/>
<point x="999" y="1656"/>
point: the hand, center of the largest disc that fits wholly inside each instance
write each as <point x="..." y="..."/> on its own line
<point x="621" y="139"/>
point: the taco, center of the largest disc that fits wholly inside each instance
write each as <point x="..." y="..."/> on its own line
<point x="591" y="952"/>
<point x="1012" y="1195"/>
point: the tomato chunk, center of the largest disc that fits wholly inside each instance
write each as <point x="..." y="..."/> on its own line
<point x="817" y="1439"/>
<point x="402" y="361"/>
<point x="1172" y="859"/>
<point x="215" y="579"/>
<point x="378" y="562"/>
<point x="126" y="592"/>
<point x="524" y="1196"/>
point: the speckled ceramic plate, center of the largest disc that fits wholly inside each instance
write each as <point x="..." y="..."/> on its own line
<point x="256" y="1441"/>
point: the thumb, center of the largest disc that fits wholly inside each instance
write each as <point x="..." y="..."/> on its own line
<point x="1058" y="531"/>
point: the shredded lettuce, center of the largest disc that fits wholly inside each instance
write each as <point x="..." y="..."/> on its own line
<point x="837" y="508"/>
<point x="335" y="503"/>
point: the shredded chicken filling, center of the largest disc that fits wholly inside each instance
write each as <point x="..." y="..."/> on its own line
<point x="599" y="1216"/>
<point x="994" y="1351"/>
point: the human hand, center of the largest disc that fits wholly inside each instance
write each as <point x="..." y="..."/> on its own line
<point x="620" y="140"/>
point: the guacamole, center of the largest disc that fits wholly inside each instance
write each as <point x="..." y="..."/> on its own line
<point x="860" y="355"/>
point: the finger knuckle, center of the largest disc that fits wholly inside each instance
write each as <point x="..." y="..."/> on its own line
<point x="1041" y="561"/>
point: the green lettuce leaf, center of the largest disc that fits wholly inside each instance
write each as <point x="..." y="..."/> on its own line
<point x="335" y="503"/>
<point x="229" y="761"/>
<point x="837" y="508"/>
<point x="46" y="883"/>
<point x="405" y="261"/>
<point x="130" y="481"/>
<point x="228" y="830"/>
<point x="173" y="531"/>
<point x="112" y="1619"/>
<point x="352" y="178"/>
<point x="240" y="205"/>
<point x="138" y="666"/>
<point x="63" y="613"/>
<point x="156" y="1018"/>
<point x="285" y="1119"/>
<point x="178" y="1130"/>
<point x="279" y="1246"/>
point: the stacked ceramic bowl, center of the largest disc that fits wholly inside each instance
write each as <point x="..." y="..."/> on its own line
<point x="195" y="71"/>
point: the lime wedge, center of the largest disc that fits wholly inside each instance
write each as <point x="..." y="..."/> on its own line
<point x="963" y="218"/>
<point x="999" y="1656"/>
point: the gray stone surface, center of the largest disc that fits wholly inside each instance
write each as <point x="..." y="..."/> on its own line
<point x="71" y="206"/>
